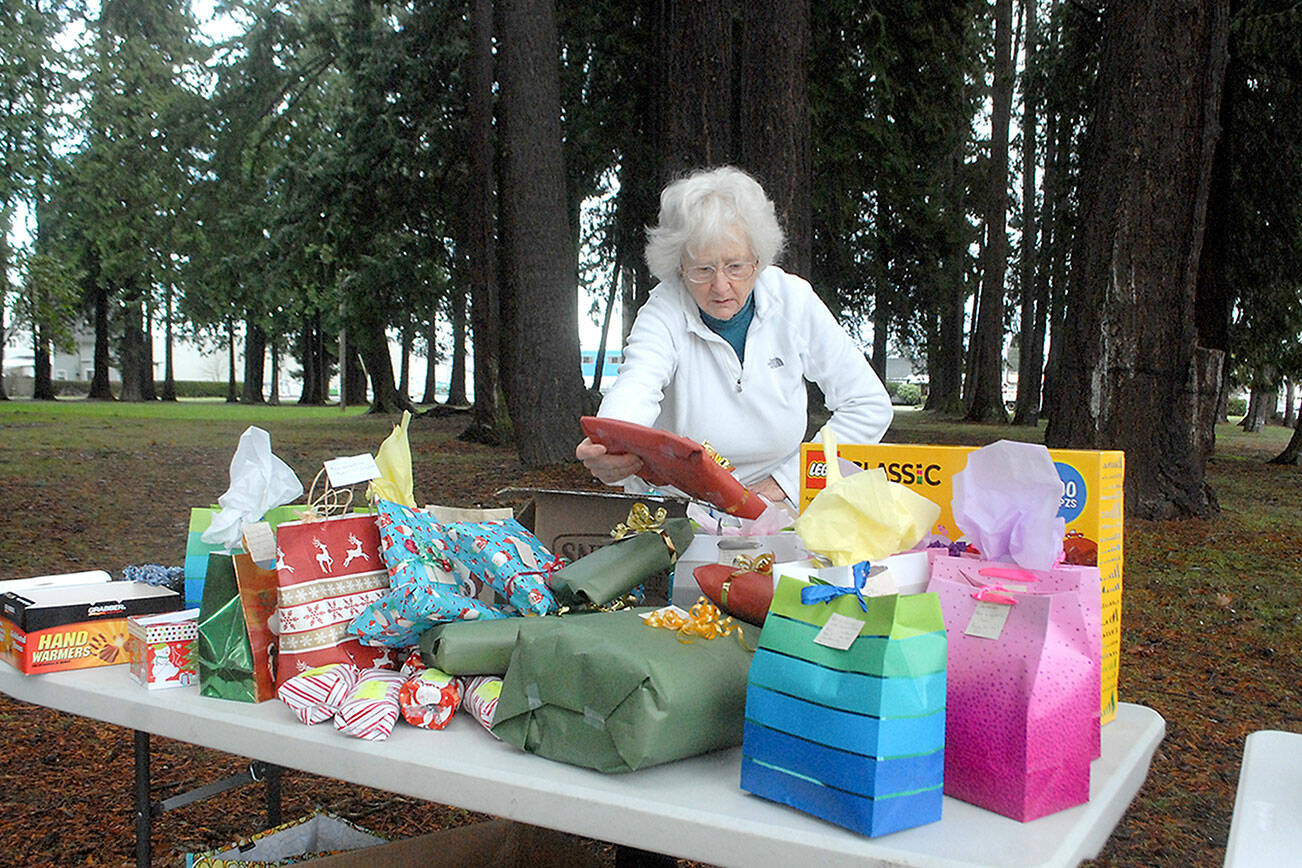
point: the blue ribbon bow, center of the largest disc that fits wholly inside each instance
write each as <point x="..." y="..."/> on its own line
<point x="824" y="593"/>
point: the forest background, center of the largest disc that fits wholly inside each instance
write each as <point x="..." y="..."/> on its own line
<point x="1114" y="188"/>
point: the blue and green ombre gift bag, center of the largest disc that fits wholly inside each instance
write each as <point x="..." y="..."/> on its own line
<point x="854" y="736"/>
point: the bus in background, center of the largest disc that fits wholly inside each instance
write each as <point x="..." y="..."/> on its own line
<point x="609" y="370"/>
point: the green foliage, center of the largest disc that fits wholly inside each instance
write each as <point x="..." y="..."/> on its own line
<point x="1236" y="406"/>
<point x="48" y="303"/>
<point x="909" y="394"/>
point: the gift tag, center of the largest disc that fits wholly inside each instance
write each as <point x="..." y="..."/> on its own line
<point x="260" y="542"/>
<point x="351" y="469"/>
<point x="667" y="610"/>
<point x="879" y="582"/>
<point x="988" y="620"/>
<point x="839" y="632"/>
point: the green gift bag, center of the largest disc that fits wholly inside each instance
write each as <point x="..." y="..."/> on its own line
<point x="477" y="647"/>
<point x="650" y="546"/>
<point x="608" y="692"/>
<point x="227" y="669"/>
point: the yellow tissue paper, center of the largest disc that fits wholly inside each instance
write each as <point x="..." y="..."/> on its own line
<point x="394" y="460"/>
<point x="864" y="516"/>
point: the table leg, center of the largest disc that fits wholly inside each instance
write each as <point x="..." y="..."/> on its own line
<point x="144" y="807"/>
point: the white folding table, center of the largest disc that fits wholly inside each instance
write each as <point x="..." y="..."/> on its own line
<point x="691" y="809"/>
<point x="1266" y="828"/>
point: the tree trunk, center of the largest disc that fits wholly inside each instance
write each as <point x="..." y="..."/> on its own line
<point x="540" y="357"/>
<point x="367" y="331"/>
<point x="5" y="224"/>
<point x="1292" y="454"/>
<point x="148" y="392"/>
<point x="274" y="399"/>
<point x="945" y="342"/>
<point x="232" y="391"/>
<point x="1261" y="404"/>
<point x="881" y="323"/>
<point x="313" y="391"/>
<point x="984" y="392"/>
<point x="100" y="387"/>
<point x="43" y="383"/>
<point x="431" y="362"/>
<point x="700" y="78"/>
<point x="773" y="107"/>
<point x="169" y="372"/>
<point x="482" y="250"/>
<point x="1031" y="336"/>
<point x="1133" y="376"/>
<point x="404" y="357"/>
<point x="130" y="357"/>
<point x="355" y="376"/>
<point x="1290" y="405"/>
<point x="457" y="384"/>
<point x="255" y="356"/>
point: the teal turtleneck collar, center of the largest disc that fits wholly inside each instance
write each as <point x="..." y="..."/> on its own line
<point x="733" y="330"/>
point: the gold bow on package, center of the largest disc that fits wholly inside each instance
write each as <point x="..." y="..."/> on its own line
<point x="863" y="516"/>
<point x="645" y="545"/>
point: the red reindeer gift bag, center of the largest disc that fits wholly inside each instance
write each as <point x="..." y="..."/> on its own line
<point x="327" y="571"/>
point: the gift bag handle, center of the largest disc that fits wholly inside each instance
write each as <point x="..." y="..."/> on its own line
<point x="1011" y="574"/>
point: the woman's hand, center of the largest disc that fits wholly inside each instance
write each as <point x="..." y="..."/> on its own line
<point x="605" y="466"/>
<point x="769" y="488"/>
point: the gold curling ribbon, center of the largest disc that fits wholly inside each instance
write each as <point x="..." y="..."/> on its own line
<point x="757" y="564"/>
<point x="703" y="622"/>
<point x="640" y="520"/>
<point x="716" y="457"/>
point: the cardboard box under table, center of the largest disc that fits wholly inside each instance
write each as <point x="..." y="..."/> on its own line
<point x="76" y="626"/>
<point x="1092" y="507"/>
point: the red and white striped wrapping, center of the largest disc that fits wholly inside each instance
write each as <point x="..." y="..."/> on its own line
<point x="371" y="710"/>
<point x="316" y="694"/>
<point x="327" y="571"/>
<point x="480" y="698"/>
<point x="430" y="698"/>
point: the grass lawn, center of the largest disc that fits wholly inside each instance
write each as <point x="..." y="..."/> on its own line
<point x="1211" y="630"/>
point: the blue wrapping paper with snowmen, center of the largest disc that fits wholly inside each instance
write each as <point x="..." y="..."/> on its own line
<point x="845" y="706"/>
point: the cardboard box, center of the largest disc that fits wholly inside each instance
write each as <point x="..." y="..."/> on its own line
<point x="1092" y="505"/>
<point x="160" y="648"/>
<point x="495" y="843"/>
<point x="50" y="629"/>
<point x="572" y="524"/>
<point x="55" y="581"/>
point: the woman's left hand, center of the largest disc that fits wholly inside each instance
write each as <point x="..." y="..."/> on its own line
<point x="769" y="488"/>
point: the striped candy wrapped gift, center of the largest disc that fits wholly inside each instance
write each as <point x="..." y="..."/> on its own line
<point x="372" y="708"/>
<point x="854" y="735"/>
<point x="315" y="695"/>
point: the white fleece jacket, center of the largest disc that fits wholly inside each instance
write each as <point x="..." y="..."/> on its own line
<point x="681" y="377"/>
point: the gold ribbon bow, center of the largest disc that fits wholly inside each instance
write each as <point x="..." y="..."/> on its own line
<point x="746" y="564"/>
<point x="703" y="621"/>
<point x="640" y="520"/>
<point x="757" y="564"/>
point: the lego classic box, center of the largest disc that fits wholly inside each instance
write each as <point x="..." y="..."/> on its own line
<point x="49" y="629"/>
<point x="1091" y="505"/>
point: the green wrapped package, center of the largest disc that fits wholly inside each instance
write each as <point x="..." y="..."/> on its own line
<point x="477" y="647"/>
<point x="613" y="570"/>
<point x="610" y="693"/>
<point x="225" y="656"/>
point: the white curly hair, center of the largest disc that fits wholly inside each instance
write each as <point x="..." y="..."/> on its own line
<point x="709" y="206"/>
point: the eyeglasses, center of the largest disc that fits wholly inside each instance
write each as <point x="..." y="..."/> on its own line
<point x="732" y="271"/>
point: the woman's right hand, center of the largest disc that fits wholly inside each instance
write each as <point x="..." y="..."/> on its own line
<point x="609" y="468"/>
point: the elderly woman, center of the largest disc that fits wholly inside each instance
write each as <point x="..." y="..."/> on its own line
<point x="721" y="349"/>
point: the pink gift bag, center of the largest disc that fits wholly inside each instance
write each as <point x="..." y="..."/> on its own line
<point x="1023" y="703"/>
<point x="1079" y="581"/>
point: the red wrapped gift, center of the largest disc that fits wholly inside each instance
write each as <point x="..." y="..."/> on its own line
<point x="668" y="459"/>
